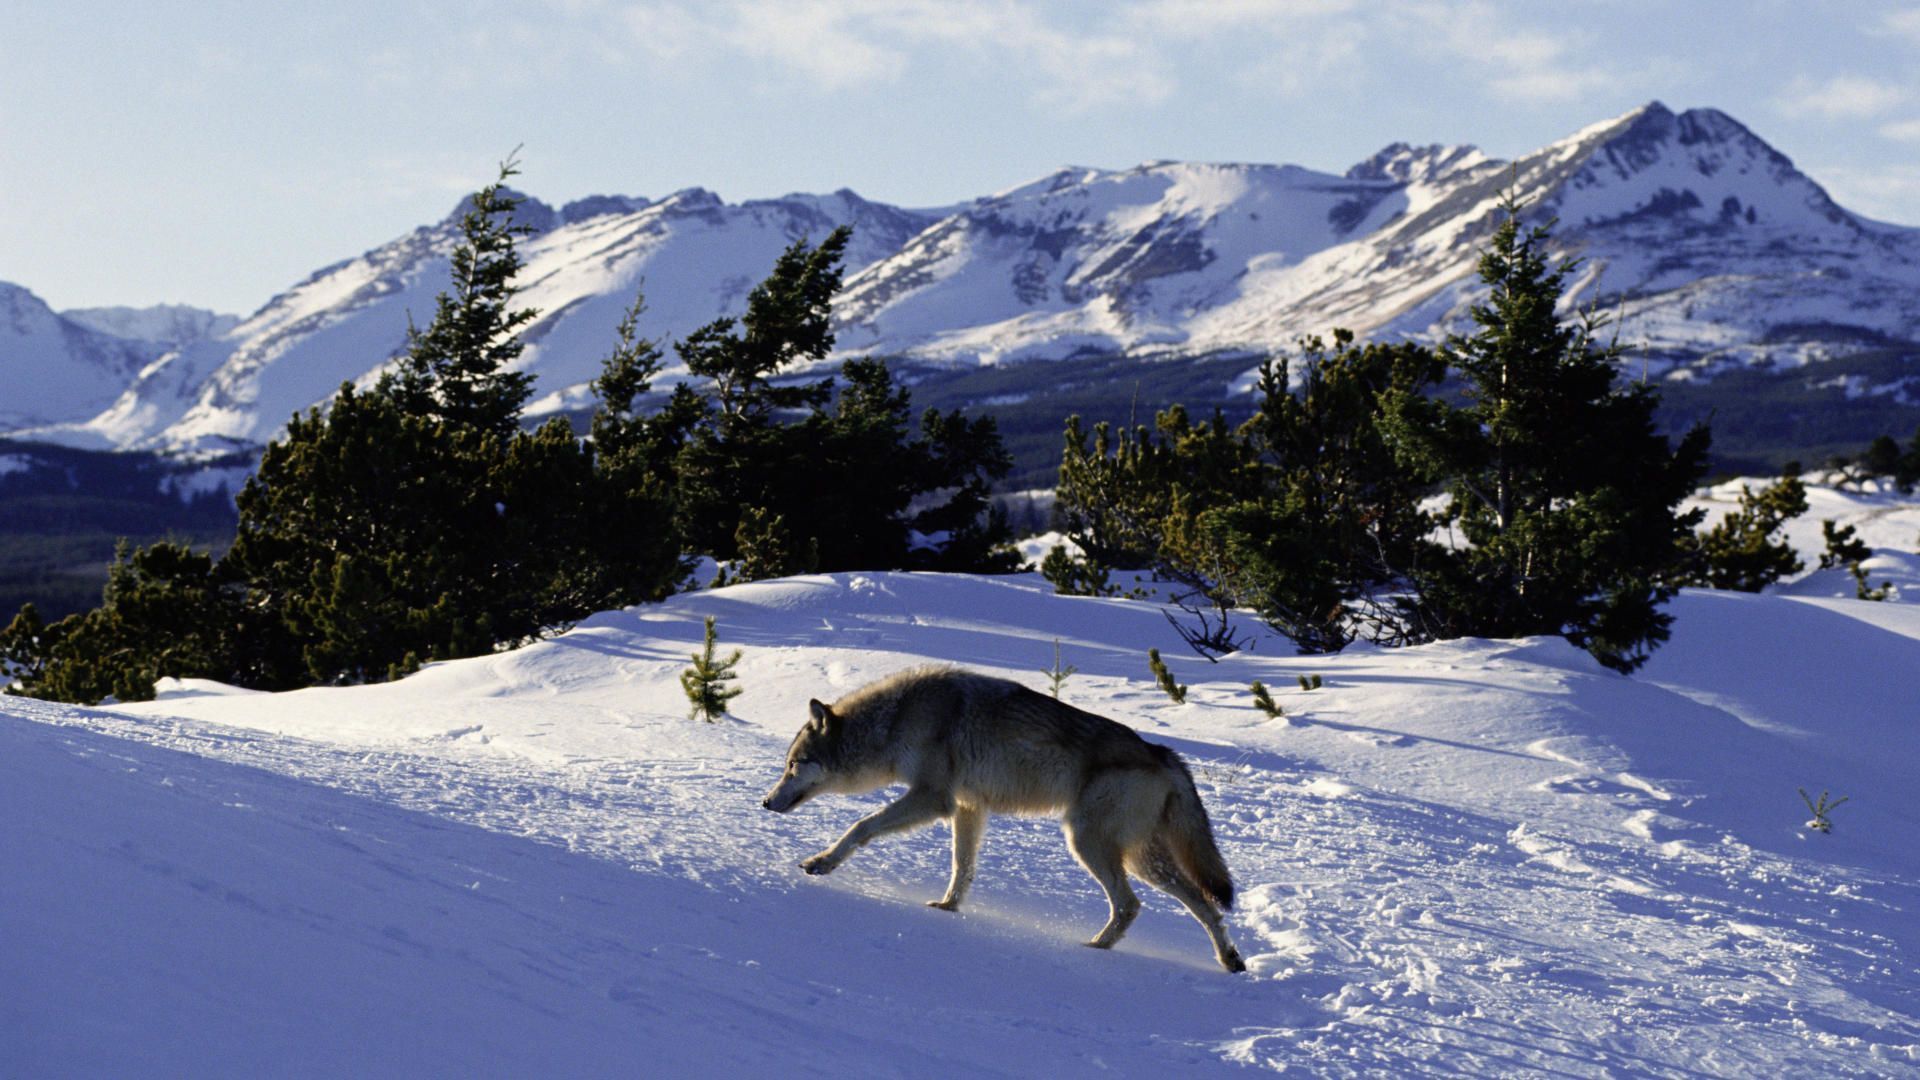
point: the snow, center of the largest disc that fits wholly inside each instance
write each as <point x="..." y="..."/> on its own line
<point x="1469" y="858"/>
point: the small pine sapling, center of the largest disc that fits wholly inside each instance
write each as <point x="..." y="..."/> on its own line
<point x="1820" y="822"/>
<point x="1310" y="682"/>
<point x="1057" y="674"/>
<point x="1164" y="678"/>
<point x="705" y="682"/>
<point x="1263" y="701"/>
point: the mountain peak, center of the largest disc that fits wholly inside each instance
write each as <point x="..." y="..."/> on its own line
<point x="531" y="213"/>
<point x="1405" y="163"/>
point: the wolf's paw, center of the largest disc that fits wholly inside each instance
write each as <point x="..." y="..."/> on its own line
<point x="817" y="865"/>
<point x="1233" y="963"/>
<point x="1096" y="943"/>
<point x="945" y="905"/>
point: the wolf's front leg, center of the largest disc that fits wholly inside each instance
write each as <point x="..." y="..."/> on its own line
<point x="919" y="806"/>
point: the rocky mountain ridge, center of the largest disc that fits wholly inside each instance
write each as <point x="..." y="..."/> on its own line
<point x="1707" y="247"/>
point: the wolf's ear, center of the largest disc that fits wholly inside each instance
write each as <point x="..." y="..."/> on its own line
<point x="820" y="714"/>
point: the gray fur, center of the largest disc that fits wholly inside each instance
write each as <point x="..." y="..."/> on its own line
<point x="967" y="745"/>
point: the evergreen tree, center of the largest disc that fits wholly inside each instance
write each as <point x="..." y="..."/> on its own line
<point x="1059" y="673"/>
<point x="1163" y="678"/>
<point x="167" y="611"/>
<point x="1565" y="493"/>
<point x="835" y="465"/>
<point x="1263" y="700"/>
<point x="1338" y="518"/>
<point x="1743" y="551"/>
<point x="1304" y="513"/>
<point x="1843" y="545"/>
<point x="415" y="521"/>
<point x="459" y="369"/>
<point x="706" y="681"/>
<point x="633" y="547"/>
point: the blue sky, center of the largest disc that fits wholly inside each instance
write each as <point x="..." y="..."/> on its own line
<point x="214" y="153"/>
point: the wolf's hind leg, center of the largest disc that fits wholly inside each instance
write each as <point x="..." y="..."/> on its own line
<point x="1157" y="867"/>
<point x="969" y="822"/>
<point x="1101" y="856"/>
<point x="917" y="807"/>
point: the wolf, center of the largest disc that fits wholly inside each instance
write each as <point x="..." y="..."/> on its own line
<point x="967" y="744"/>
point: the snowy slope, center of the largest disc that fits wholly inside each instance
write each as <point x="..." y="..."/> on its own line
<point x="54" y="369"/>
<point x="1474" y="858"/>
<point x="1708" y="245"/>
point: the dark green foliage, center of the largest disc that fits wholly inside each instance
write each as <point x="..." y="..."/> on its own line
<point x="1302" y="513"/>
<point x="819" y="480"/>
<point x="167" y="611"/>
<point x="706" y="681"/>
<point x="1164" y="678"/>
<point x="1744" y="551"/>
<point x="1311" y="682"/>
<point x="1843" y="545"/>
<point x="1845" y="548"/>
<point x="1560" y="484"/>
<point x="416" y="521"/>
<point x="763" y="548"/>
<point x="632" y="550"/>
<point x="1338" y="517"/>
<point x="1263" y="700"/>
<point x="1075" y="576"/>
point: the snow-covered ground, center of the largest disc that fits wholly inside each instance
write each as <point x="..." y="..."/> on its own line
<point x="1474" y="858"/>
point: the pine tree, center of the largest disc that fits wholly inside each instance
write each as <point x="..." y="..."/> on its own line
<point x="414" y="521"/>
<point x="706" y="681"/>
<point x="633" y="549"/>
<point x="1057" y="675"/>
<point x="1164" y="678"/>
<point x="459" y="369"/>
<point x="1263" y="700"/>
<point x="1845" y="548"/>
<point x="1566" y="494"/>
<point x="1743" y="551"/>
<point x="1843" y="545"/>
<point x="834" y="461"/>
<point x="166" y="611"/>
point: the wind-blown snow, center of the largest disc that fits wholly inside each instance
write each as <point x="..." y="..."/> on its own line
<point x="1471" y="858"/>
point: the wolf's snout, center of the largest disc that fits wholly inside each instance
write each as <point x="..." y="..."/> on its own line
<point x="766" y="803"/>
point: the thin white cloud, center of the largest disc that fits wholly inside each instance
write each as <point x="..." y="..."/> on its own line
<point x="1902" y="130"/>
<point x="1519" y="64"/>
<point x="1905" y="22"/>
<point x="1210" y="18"/>
<point x="1842" y="97"/>
<point x="840" y="44"/>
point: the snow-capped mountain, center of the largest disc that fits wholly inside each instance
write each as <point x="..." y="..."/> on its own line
<point x="1705" y="243"/>
<point x="698" y="256"/>
<point x="170" y="325"/>
<point x="55" y="369"/>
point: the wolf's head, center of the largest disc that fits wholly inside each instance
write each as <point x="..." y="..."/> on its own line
<point x="807" y="761"/>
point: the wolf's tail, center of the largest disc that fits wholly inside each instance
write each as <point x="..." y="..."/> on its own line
<point x="1189" y="836"/>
